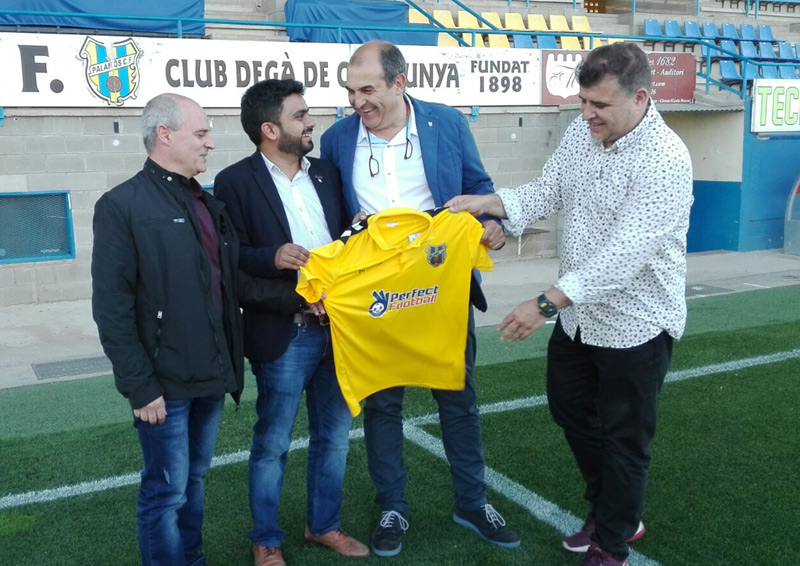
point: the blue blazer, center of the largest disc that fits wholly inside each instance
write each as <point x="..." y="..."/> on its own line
<point x="449" y="154"/>
<point x="256" y="210"/>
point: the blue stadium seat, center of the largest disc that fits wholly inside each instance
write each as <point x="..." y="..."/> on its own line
<point x="765" y="33"/>
<point x="729" y="74"/>
<point x="710" y="30"/>
<point x="727" y="45"/>
<point x="652" y="28"/>
<point x="522" y="41"/>
<point x="769" y="72"/>
<point x="797" y="51"/>
<point x="748" y="49"/>
<point x="785" y="51"/>
<point x="748" y="32"/>
<point x="546" y="42"/>
<point x="673" y="29"/>
<point x="766" y="51"/>
<point x="729" y="32"/>
<point x="691" y="29"/>
<point x="787" y="72"/>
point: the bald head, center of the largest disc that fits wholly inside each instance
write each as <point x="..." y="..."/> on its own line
<point x="387" y="56"/>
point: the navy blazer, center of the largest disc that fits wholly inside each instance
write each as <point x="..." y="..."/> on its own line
<point x="256" y="210"/>
<point x="449" y="154"/>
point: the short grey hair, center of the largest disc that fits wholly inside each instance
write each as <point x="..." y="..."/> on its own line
<point x="163" y="110"/>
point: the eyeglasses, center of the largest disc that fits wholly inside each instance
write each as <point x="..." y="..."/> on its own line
<point x="373" y="164"/>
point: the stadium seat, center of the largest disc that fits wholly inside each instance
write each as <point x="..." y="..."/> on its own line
<point x="765" y="33"/>
<point x="729" y="32"/>
<point x="748" y="49"/>
<point x="559" y="23"/>
<point x="727" y="45"/>
<point x="546" y="42"/>
<point x="766" y="51"/>
<point x="748" y="32"/>
<point x="769" y="71"/>
<point x="581" y="24"/>
<point x="536" y="22"/>
<point x="652" y="28"/>
<point x="785" y="51"/>
<point x="494" y="39"/>
<point x="673" y="29"/>
<point x="416" y="17"/>
<point x="729" y="74"/>
<point x="514" y="22"/>
<point x="468" y="21"/>
<point x="710" y="31"/>
<point x="787" y="72"/>
<point x="445" y="18"/>
<point x="691" y="29"/>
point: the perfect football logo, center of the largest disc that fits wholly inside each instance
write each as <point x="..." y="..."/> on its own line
<point x="112" y="71"/>
<point x="436" y="254"/>
<point x="385" y="302"/>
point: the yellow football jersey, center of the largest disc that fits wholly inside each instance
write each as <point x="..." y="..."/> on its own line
<point x="397" y="294"/>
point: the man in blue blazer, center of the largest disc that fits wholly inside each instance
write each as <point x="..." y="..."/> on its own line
<point x="399" y="151"/>
<point x="283" y="204"/>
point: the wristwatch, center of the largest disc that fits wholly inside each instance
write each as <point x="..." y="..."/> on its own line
<point x="547" y="307"/>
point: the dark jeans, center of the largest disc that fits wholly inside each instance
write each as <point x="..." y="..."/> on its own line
<point x="177" y="454"/>
<point x="606" y="401"/>
<point x="306" y="365"/>
<point x="461" y="435"/>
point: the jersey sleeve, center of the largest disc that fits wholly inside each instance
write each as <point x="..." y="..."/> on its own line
<point x="480" y="253"/>
<point x="320" y="271"/>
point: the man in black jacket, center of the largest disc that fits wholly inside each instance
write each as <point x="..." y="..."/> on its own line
<point x="284" y="204"/>
<point x="164" y="275"/>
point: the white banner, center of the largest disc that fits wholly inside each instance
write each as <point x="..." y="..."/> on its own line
<point x="47" y="70"/>
<point x="776" y="105"/>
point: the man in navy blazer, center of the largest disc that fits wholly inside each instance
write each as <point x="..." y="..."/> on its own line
<point x="399" y="151"/>
<point x="283" y="204"/>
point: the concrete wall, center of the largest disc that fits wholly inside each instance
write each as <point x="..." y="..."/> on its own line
<point x="87" y="152"/>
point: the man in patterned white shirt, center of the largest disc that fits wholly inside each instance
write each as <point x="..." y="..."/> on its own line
<point x="623" y="181"/>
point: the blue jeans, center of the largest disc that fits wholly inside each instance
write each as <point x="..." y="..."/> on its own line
<point x="177" y="454"/>
<point x="307" y="364"/>
<point x="461" y="436"/>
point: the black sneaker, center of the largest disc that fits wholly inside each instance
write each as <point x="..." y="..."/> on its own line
<point x="387" y="538"/>
<point x="489" y="525"/>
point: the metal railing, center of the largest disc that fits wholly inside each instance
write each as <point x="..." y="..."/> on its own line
<point x="756" y="5"/>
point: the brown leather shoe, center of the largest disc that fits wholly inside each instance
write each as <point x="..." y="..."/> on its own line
<point x="267" y="556"/>
<point x="340" y="542"/>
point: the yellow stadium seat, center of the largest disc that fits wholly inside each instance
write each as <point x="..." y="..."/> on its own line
<point x="581" y="24"/>
<point x="536" y="22"/>
<point x="515" y="22"/>
<point x="468" y="21"/>
<point x="445" y="18"/>
<point x="495" y="39"/>
<point x="416" y="17"/>
<point x="559" y="23"/>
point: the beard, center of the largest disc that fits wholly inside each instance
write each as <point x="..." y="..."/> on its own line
<point x="294" y="145"/>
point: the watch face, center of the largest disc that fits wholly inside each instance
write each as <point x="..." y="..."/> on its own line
<point x="546" y="308"/>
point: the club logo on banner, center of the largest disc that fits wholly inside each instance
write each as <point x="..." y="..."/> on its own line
<point x="112" y="71"/>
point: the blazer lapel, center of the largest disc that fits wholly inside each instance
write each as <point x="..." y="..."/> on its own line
<point x="267" y="186"/>
<point x="347" y="154"/>
<point x="428" y="132"/>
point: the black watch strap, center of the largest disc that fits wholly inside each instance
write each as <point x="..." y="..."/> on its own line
<point x="547" y="307"/>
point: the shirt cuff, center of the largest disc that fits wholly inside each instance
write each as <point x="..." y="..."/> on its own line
<point x="515" y="223"/>
<point x="570" y="285"/>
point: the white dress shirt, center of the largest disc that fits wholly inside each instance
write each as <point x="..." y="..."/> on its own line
<point x="302" y="206"/>
<point x="626" y="214"/>
<point x="400" y="181"/>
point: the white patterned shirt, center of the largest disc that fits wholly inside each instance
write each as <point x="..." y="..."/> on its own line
<point x="623" y="247"/>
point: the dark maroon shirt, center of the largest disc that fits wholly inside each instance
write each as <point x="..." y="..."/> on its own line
<point x="208" y="233"/>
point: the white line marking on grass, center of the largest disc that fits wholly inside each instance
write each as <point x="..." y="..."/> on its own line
<point x="46" y="495"/>
<point x="544" y="510"/>
<point x="754" y="285"/>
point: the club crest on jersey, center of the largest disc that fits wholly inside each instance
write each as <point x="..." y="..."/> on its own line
<point x="112" y="71"/>
<point x="436" y="254"/>
<point x="385" y="302"/>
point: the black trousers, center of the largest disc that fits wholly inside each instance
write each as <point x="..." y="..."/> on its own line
<point x="606" y="401"/>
